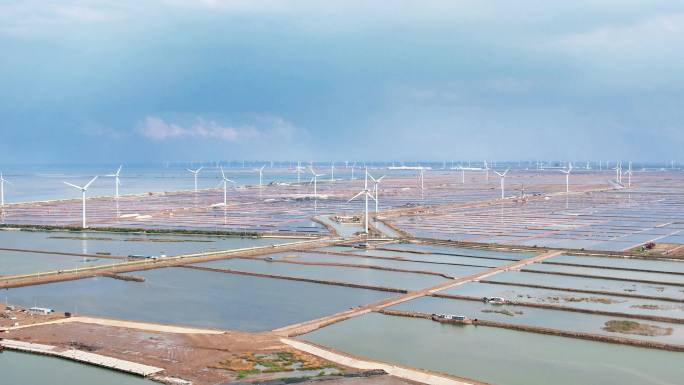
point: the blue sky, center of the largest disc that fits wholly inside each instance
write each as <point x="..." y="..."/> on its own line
<point x="403" y="80"/>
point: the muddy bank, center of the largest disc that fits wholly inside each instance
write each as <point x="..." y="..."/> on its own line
<point x="361" y="266"/>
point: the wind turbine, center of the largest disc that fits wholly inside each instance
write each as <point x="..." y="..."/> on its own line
<point x="352" y="172"/>
<point x="367" y="194"/>
<point x="376" y="183"/>
<point x="195" y="172"/>
<point x="567" y="178"/>
<point x="83" y="197"/>
<point x="629" y="175"/>
<point x="299" y="171"/>
<point x="332" y="171"/>
<point x="486" y="167"/>
<point x="503" y="178"/>
<point x="117" y="182"/>
<point x="261" y="175"/>
<point x="314" y="180"/>
<point x="225" y="187"/>
<point x="422" y="172"/>
<point x="2" y="189"/>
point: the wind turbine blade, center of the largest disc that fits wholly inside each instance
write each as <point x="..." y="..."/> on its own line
<point x="73" y="185"/>
<point x="381" y="178"/>
<point x="231" y="181"/>
<point x="89" y="183"/>
<point x="222" y="173"/>
<point x="199" y="169"/>
<point x="119" y="170"/>
<point x="357" y="195"/>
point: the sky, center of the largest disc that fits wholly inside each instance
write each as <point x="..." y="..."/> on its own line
<point x="182" y="80"/>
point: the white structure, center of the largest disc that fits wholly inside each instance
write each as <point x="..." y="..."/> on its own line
<point x="117" y="182"/>
<point x="567" y="178"/>
<point x="40" y="311"/>
<point x="261" y="175"/>
<point x="2" y="189"/>
<point x="376" y="185"/>
<point x="195" y="173"/>
<point x="422" y="172"/>
<point x="629" y="175"/>
<point x="83" y="197"/>
<point x="486" y="167"/>
<point x="503" y="178"/>
<point x="367" y="194"/>
<point x="314" y="180"/>
<point x="299" y="171"/>
<point x="225" y="187"/>
<point x="332" y="171"/>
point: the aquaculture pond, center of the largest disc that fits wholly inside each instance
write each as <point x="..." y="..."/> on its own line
<point x="499" y="356"/>
<point x="671" y="266"/>
<point x="464" y="251"/>
<point x="451" y="270"/>
<point x="390" y="279"/>
<point x="29" y="369"/>
<point x="543" y="318"/>
<point x="197" y="298"/>
<point x="123" y="244"/>
<point x="599" y="272"/>
<point x="613" y="303"/>
<point x="17" y="263"/>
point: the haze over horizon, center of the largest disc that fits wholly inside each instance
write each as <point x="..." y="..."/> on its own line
<point x="113" y="81"/>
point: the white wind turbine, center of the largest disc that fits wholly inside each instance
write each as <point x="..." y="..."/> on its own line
<point x="629" y="175"/>
<point x="261" y="175"/>
<point x="195" y="173"/>
<point x="376" y="184"/>
<point x="422" y="172"/>
<point x="618" y="172"/>
<point x="117" y="182"/>
<point x="332" y="171"/>
<point x="367" y="194"/>
<point x="299" y="171"/>
<point x="352" y="170"/>
<point x="314" y="180"/>
<point x="83" y="197"/>
<point x="486" y="167"/>
<point x="567" y="178"/>
<point x="503" y="178"/>
<point x="2" y="189"/>
<point x="225" y="187"/>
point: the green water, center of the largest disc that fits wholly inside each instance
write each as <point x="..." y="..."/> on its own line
<point x="499" y="356"/>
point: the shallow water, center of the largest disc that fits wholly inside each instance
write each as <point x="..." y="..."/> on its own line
<point x="569" y="299"/>
<point x="29" y="369"/>
<point x="637" y="275"/>
<point x="14" y="263"/>
<point x="124" y="244"/>
<point x="589" y="284"/>
<point x="555" y="319"/>
<point x="451" y="270"/>
<point x="460" y="251"/>
<point x="391" y="279"/>
<point x="481" y="261"/>
<point x="499" y="356"/>
<point x="197" y="298"/>
<point x="630" y="263"/>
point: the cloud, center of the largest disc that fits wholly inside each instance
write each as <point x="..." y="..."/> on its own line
<point x="264" y="127"/>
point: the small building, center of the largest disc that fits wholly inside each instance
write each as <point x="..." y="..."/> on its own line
<point x="40" y="311"/>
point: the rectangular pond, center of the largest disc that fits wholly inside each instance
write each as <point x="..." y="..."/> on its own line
<point x="16" y="262"/>
<point x="123" y="244"/>
<point x="499" y="356"/>
<point x="372" y="277"/>
<point x="197" y="298"/>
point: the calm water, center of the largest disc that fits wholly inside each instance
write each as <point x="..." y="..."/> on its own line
<point x="14" y="263"/>
<point x="499" y="356"/>
<point x="589" y="284"/>
<point x="459" y="251"/>
<point x="29" y="369"/>
<point x="126" y="244"/>
<point x="420" y="257"/>
<point x="630" y="263"/>
<point x="392" y="279"/>
<point x="555" y="319"/>
<point x="455" y="271"/>
<point x="564" y="298"/>
<point x="638" y="275"/>
<point x="198" y="298"/>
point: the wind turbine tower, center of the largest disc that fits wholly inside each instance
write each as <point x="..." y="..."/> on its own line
<point x="195" y="173"/>
<point x="117" y="182"/>
<point x="83" y="198"/>
<point x="503" y="178"/>
<point x="567" y="178"/>
<point x="367" y="194"/>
